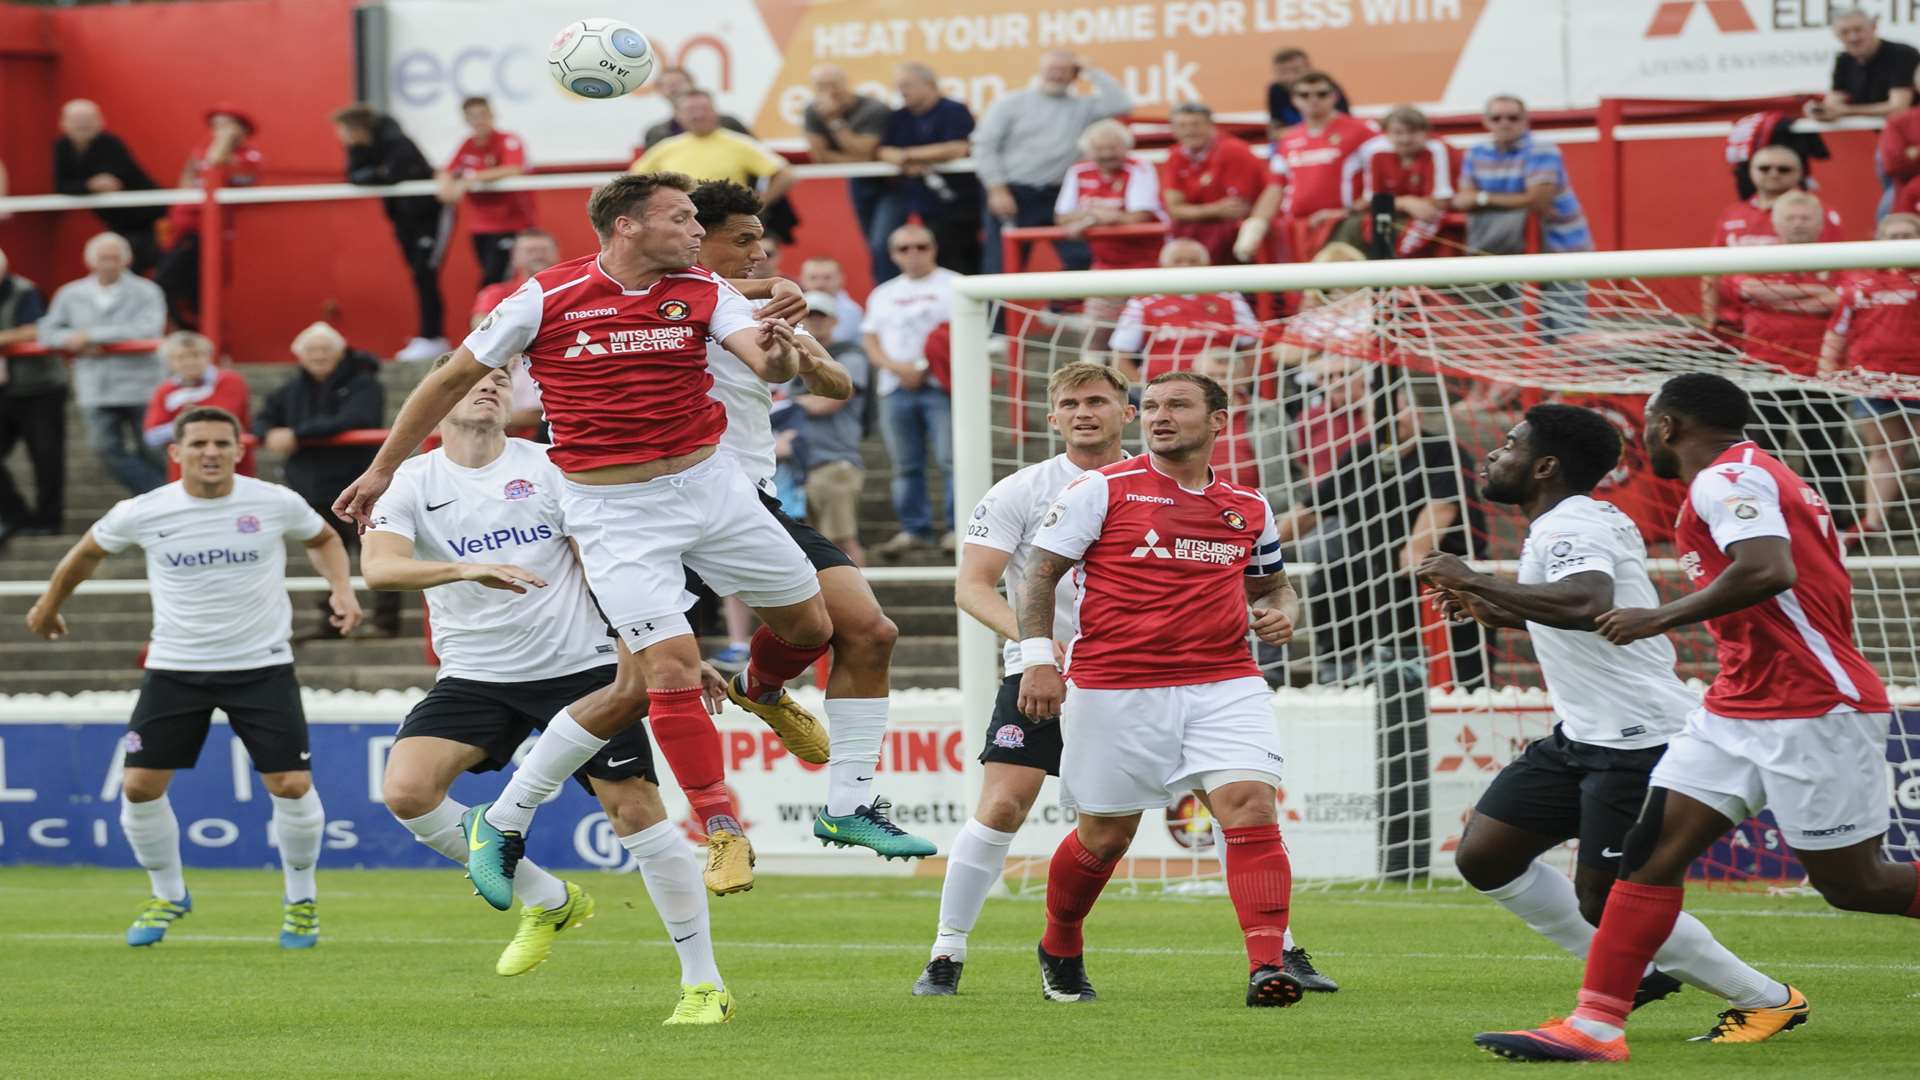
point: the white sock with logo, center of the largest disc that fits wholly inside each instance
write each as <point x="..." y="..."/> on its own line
<point x="1544" y="899"/>
<point x="439" y="829"/>
<point x="1692" y="955"/>
<point x="560" y="750"/>
<point x="855" y="729"/>
<point x="154" y="834"/>
<point x="978" y="857"/>
<point x="672" y="873"/>
<point x="298" y="827"/>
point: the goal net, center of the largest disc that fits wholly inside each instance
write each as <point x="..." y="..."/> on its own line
<point x="1363" y="412"/>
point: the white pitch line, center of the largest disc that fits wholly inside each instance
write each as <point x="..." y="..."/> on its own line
<point x="916" y="947"/>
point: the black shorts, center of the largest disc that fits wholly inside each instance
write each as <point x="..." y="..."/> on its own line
<point x="498" y="717"/>
<point x="1563" y="789"/>
<point x="1013" y="739"/>
<point x="175" y="710"/>
<point x="823" y="553"/>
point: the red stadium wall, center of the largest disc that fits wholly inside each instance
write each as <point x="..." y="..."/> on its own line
<point x="290" y="62"/>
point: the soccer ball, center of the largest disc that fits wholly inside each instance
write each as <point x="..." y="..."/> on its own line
<point x="600" y="58"/>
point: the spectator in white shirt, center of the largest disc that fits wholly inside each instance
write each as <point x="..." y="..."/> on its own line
<point x="914" y="408"/>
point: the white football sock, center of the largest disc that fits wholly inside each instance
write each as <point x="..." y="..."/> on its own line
<point x="1286" y="936"/>
<point x="439" y="829"/>
<point x="855" y="729"/>
<point x="979" y="855"/>
<point x="556" y="754"/>
<point x="1544" y="899"/>
<point x="1598" y="1029"/>
<point x="672" y="873"/>
<point x="298" y="826"/>
<point x="154" y="834"/>
<point x="1692" y="955"/>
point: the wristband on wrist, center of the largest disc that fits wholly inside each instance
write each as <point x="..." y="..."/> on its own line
<point x="1480" y="198"/>
<point x="1037" y="652"/>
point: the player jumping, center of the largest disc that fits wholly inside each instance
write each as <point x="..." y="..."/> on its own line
<point x="863" y="636"/>
<point x="1089" y="411"/>
<point x="617" y="343"/>
<point x="1796" y="720"/>
<point x="519" y="639"/>
<point x="216" y="563"/>
<point x="1616" y="706"/>
<point x="1165" y="695"/>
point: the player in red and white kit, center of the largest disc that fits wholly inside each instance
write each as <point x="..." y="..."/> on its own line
<point x="1165" y="696"/>
<point x="1309" y="180"/>
<point x="617" y="342"/>
<point x="1795" y="722"/>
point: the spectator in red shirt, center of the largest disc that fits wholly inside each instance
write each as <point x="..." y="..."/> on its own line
<point x="1209" y="182"/>
<point x="1876" y="327"/>
<point x="1309" y="180"/>
<point x="1775" y="170"/>
<point x="533" y="251"/>
<point x="1409" y="164"/>
<point x="493" y="217"/>
<point x="227" y="159"/>
<point x="1234" y="458"/>
<point x="193" y="380"/>
<point x="1899" y="149"/>
<point x="1165" y="332"/>
<point x="1109" y="186"/>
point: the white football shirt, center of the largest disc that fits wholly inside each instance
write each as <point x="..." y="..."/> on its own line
<point x="217" y="571"/>
<point x="1623" y="696"/>
<point x="1006" y="520"/>
<point x="507" y="511"/>
<point x="748" y="400"/>
<point x="901" y="312"/>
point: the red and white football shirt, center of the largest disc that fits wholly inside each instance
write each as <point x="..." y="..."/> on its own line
<point x="1228" y="168"/>
<point x="1135" y="186"/>
<point x="1791" y="656"/>
<point x="1313" y="165"/>
<point x="243" y="168"/>
<point x="1786" y="339"/>
<point x="622" y="373"/>
<point x="493" y="211"/>
<point x="1377" y="168"/>
<point x="1161" y="599"/>
<point x="1878" y="315"/>
<point x="1173" y="329"/>
<point x="1747" y="224"/>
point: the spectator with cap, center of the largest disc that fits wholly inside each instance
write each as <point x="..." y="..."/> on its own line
<point x="1209" y="182"/>
<point x="337" y="389"/>
<point x="378" y="152"/>
<point x="832" y="429"/>
<point x="33" y="410"/>
<point x="1288" y="65"/>
<point x="227" y="159"/>
<point x="1029" y="138"/>
<point x="1109" y="186"/>
<point x="90" y="160"/>
<point x="494" y="218"/>
<point x="1776" y="171"/>
<point x="671" y="83"/>
<point x="1871" y="77"/>
<point x="845" y="128"/>
<point x="705" y="150"/>
<point x="902" y="314"/>
<point x="109" y="306"/>
<point x="823" y="273"/>
<point x="926" y="131"/>
<point x="194" y="379"/>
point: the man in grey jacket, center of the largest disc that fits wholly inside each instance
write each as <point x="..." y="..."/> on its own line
<point x="1026" y="142"/>
<point x="106" y="307"/>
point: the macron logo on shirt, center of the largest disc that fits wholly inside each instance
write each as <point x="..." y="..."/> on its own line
<point x="589" y="313"/>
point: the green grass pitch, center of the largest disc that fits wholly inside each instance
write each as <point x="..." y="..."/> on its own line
<point x="402" y="985"/>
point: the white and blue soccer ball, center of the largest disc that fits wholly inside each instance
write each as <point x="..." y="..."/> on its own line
<point x="600" y="59"/>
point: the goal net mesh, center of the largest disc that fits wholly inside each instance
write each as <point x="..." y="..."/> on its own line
<point x="1363" y="417"/>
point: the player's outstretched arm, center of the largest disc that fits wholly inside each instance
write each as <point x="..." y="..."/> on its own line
<point x="388" y="564"/>
<point x="328" y="554"/>
<point x="1041" y="688"/>
<point x="77" y="565"/>
<point x="1762" y="568"/>
<point x="1572" y="603"/>
<point x="822" y="374"/>
<point x="429" y="404"/>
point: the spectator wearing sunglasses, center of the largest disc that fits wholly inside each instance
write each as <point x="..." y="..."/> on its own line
<point x="1774" y="170"/>
<point x="902" y="312"/>
<point x="1517" y="172"/>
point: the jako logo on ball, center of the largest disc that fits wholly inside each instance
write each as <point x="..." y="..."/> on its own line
<point x="600" y="58"/>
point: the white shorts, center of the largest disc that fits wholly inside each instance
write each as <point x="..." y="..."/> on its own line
<point x="1824" y="778"/>
<point x="1132" y="750"/>
<point x="634" y="539"/>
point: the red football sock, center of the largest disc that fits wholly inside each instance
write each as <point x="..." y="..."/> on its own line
<point x="772" y="661"/>
<point x="1074" y="881"/>
<point x="1260" y="882"/>
<point x="1913" y="906"/>
<point x="691" y="745"/>
<point x="1636" y="923"/>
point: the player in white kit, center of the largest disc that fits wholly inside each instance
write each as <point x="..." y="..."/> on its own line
<point x="863" y="636"/>
<point x="1616" y="705"/>
<point x="476" y="524"/>
<point x="216" y="566"/>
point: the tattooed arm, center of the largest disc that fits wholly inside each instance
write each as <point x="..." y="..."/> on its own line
<point x="1041" y="688"/>
<point x="1275" y="607"/>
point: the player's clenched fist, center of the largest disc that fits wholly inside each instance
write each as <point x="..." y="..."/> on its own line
<point x="1624" y="625"/>
<point x="1041" y="692"/>
<point x="1274" y="626"/>
<point x="46" y="622"/>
